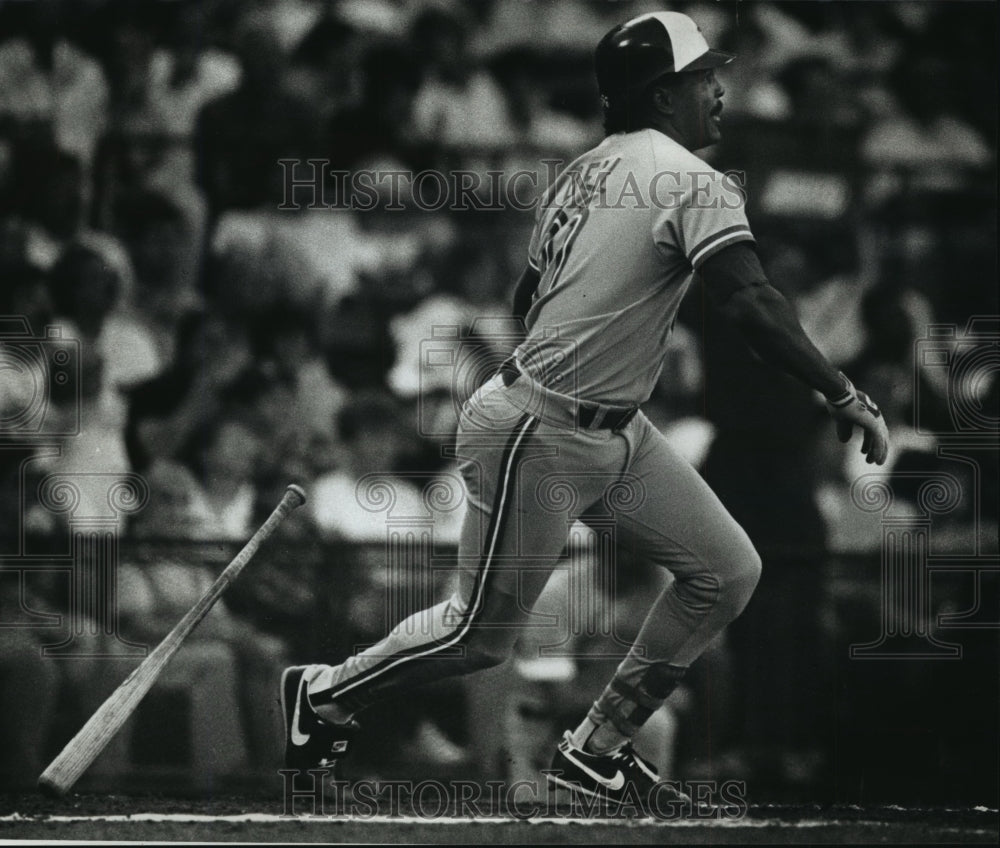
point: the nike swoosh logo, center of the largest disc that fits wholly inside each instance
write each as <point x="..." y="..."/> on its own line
<point x="613" y="783"/>
<point x="652" y="775"/>
<point x="298" y="737"/>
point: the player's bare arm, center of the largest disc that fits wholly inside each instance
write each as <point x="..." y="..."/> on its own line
<point x="735" y="282"/>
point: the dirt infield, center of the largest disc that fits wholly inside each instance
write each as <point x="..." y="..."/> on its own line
<point x="246" y="818"/>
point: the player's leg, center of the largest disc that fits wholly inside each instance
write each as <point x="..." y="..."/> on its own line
<point x="680" y="525"/>
<point x="445" y="640"/>
<point x="507" y="550"/>
<point x="319" y="701"/>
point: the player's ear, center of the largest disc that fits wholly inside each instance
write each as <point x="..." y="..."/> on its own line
<point x="663" y="100"/>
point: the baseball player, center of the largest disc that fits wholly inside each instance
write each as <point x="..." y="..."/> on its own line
<point x="617" y="240"/>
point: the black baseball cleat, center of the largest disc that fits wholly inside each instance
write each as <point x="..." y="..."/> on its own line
<point x="310" y="742"/>
<point x="621" y="777"/>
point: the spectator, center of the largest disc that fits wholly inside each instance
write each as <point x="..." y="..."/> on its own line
<point x="375" y="437"/>
<point x="520" y="72"/>
<point x="818" y="93"/>
<point x="47" y="192"/>
<point x="228" y="460"/>
<point x="295" y="395"/>
<point x="378" y="126"/>
<point x="167" y="414"/>
<point x="240" y="137"/>
<point x="85" y="291"/>
<point x="412" y="332"/>
<point x="46" y="80"/>
<point x="164" y="241"/>
<point x="927" y="133"/>
<point x="458" y="105"/>
<point x="357" y="343"/>
<point x="825" y="288"/>
<point x="261" y="261"/>
<point x="325" y="68"/>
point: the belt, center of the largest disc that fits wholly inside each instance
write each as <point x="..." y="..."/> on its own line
<point x="589" y="415"/>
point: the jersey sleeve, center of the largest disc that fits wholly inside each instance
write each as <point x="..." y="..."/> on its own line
<point x="706" y="217"/>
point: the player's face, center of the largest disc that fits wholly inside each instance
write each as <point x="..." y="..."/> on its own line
<point x="698" y="109"/>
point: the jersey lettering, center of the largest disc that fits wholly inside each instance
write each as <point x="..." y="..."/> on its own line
<point x="558" y="242"/>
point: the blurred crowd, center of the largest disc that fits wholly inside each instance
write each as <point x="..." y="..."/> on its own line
<point x="240" y="329"/>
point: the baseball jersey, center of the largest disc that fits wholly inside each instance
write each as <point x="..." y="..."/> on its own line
<point x="617" y="239"/>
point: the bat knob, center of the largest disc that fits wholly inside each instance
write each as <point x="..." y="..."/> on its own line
<point x="297" y="494"/>
<point x="49" y="788"/>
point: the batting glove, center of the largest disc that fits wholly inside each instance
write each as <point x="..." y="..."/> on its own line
<point x="856" y="408"/>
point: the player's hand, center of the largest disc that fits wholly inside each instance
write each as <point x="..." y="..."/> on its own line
<point x="854" y="407"/>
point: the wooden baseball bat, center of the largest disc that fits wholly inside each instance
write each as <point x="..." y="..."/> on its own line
<point x="81" y="751"/>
